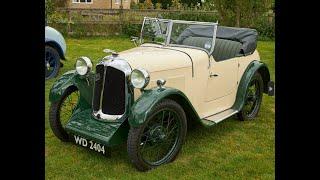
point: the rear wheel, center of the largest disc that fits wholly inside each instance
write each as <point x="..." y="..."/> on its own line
<point x="158" y="140"/>
<point x="61" y="112"/>
<point x="253" y="98"/>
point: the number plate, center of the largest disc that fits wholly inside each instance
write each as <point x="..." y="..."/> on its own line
<point x="89" y="144"/>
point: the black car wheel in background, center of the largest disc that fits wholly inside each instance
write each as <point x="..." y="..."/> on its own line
<point x="52" y="62"/>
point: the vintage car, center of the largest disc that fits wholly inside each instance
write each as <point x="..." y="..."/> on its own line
<point x="182" y="72"/>
<point x="55" y="49"/>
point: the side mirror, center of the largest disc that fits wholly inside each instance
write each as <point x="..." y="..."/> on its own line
<point x="135" y="40"/>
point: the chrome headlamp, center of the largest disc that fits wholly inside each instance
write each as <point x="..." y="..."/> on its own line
<point x="139" y="78"/>
<point x="83" y="65"/>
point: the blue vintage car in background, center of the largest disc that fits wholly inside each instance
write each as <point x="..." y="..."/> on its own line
<point x="54" y="51"/>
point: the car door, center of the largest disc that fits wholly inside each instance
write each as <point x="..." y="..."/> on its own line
<point x="222" y="79"/>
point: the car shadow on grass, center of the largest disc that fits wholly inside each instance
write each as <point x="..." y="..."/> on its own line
<point x="119" y="153"/>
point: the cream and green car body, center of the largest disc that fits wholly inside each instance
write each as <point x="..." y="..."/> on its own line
<point x="208" y="90"/>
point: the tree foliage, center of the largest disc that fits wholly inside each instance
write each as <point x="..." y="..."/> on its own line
<point x="49" y="8"/>
<point x="191" y="3"/>
<point x="238" y="12"/>
<point x="51" y="5"/>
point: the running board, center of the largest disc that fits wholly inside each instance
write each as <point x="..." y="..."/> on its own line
<point x="216" y="118"/>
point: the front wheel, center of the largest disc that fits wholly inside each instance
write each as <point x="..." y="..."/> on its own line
<point x="253" y="98"/>
<point x="159" y="139"/>
<point x="61" y="112"/>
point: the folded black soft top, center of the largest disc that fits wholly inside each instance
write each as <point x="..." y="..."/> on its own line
<point x="247" y="37"/>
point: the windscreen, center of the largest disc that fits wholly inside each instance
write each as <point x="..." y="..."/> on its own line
<point x="154" y="31"/>
<point x="198" y="35"/>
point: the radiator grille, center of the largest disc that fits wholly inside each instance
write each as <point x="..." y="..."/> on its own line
<point x="113" y="100"/>
<point x="109" y="90"/>
<point x="98" y="85"/>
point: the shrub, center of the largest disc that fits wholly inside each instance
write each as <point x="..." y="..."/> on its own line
<point x="265" y="29"/>
<point x="264" y="26"/>
<point x="158" y="5"/>
<point x="141" y="6"/>
<point x="131" y="29"/>
<point x="60" y="3"/>
<point x="148" y="4"/>
<point x="176" y="4"/>
<point x="185" y="15"/>
<point x="57" y="18"/>
<point x="134" y="5"/>
<point x="49" y="8"/>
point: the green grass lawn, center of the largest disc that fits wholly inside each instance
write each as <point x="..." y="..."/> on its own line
<point x="229" y="150"/>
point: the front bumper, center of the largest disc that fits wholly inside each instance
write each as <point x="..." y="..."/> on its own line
<point x="82" y="123"/>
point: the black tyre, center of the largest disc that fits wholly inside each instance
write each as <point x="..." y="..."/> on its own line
<point x="253" y="98"/>
<point x="52" y="62"/>
<point x="61" y="111"/>
<point x="158" y="140"/>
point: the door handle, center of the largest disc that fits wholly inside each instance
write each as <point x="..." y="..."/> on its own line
<point x="213" y="75"/>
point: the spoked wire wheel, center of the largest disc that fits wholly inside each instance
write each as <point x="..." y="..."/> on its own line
<point x="160" y="138"/>
<point x="68" y="106"/>
<point x="61" y="112"/>
<point x="253" y="98"/>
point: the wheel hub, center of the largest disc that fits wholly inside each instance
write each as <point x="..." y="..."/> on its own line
<point x="158" y="134"/>
<point x="252" y="98"/>
<point x="48" y="65"/>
